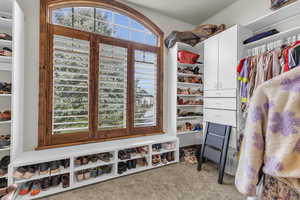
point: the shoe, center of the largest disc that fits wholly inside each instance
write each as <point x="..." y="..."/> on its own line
<point x="94" y="158"/>
<point x="79" y="176"/>
<point x="78" y="161"/>
<point x="129" y="164"/>
<point x="87" y="174"/>
<point x="65" y="163"/>
<point x="94" y="173"/>
<point x="107" y="169"/>
<point x="55" y="181"/>
<point x="169" y="156"/>
<point x="19" y="173"/>
<point x="133" y="163"/>
<point x="45" y="184"/>
<point x="44" y="168"/>
<point x="30" y="171"/>
<point x="54" y="167"/>
<point x="65" y="181"/>
<point x="36" y="188"/>
<point x="25" y="188"/>
<point x="3" y="183"/>
<point x="99" y="171"/>
<point x="5" y="36"/>
<point x="122" y="167"/>
<point x="85" y="160"/>
<point x="164" y="158"/>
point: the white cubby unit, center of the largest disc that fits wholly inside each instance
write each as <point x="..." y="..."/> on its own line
<point x="106" y="165"/>
<point x="185" y="96"/>
<point x="6" y="77"/>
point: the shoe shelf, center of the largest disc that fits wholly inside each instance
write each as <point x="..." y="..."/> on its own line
<point x="5" y="67"/>
<point x="93" y="165"/>
<point x="6" y="43"/>
<point x="190" y="105"/>
<point x="186" y="93"/>
<point x="163" y="164"/>
<point x="189" y="117"/>
<point x="5" y="122"/>
<point x="73" y="153"/>
<point x="5" y="95"/>
<point x="38" y="176"/>
<point x="134" y="157"/>
<point x="190" y="75"/>
<point x="189" y="132"/>
<point x="190" y="95"/>
<point x="190" y="84"/>
<point x="5" y="59"/>
<point x="50" y="191"/>
<point x="163" y="151"/>
<point x="5" y="149"/>
<point x="136" y="170"/>
<point x="93" y="180"/>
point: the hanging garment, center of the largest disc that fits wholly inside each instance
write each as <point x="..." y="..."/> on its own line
<point x="243" y="78"/>
<point x="277" y="67"/>
<point x="273" y="188"/>
<point x="272" y="135"/>
<point x="261" y="70"/>
<point x="294" y="60"/>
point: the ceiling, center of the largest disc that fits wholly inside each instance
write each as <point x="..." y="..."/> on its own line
<point x="190" y="11"/>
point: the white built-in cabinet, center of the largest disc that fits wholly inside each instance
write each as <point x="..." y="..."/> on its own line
<point x="222" y="53"/>
<point x="220" y="58"/>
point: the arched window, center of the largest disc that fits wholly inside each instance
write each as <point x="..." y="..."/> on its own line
<point x="100" y="73"/>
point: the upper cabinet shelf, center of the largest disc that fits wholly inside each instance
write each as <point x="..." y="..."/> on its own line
<point x="274" y="17"/>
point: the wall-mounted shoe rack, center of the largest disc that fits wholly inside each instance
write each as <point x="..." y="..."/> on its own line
<point x="77" y="166"/>
<point x="186" y="96"/>
<point x="6" y="23"/>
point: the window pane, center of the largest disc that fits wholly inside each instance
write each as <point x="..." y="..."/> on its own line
<point x="151" y="39"/>
<point x="104" y="28"/>
<point x="137" y="25"/>
<point x="122" y="33"/>
<point x="137" y="36"/>
<point x="63" y="16"/>
<point x="70" y="85"/>
<point x="103" y="15"/>
<point x="104" y="22"/>
<point x="112" y="87"/>
<point x="145" y="89"/>
<point x="84" y="19"/>
<point x="121" y="20"/>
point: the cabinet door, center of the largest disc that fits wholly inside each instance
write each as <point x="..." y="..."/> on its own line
<point x="211" y="62"/>
<point x="228" y="44"/>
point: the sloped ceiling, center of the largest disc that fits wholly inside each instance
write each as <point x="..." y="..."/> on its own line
<point x="190" y="11"/>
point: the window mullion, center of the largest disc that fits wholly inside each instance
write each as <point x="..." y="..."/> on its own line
<point x="130" y="89"/>
<point x="93" y="92"/>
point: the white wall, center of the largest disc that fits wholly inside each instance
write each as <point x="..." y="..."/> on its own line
<point x="243" y="11"/>
<point x="31" y="11"/>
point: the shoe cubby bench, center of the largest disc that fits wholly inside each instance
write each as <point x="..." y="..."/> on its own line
<point x="63" y="169"/>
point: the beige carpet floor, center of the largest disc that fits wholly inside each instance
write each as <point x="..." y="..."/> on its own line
<point x="175" y="182"/>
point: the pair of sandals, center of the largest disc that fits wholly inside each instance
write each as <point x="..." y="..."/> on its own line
<point x="5" y="115"/>
<point x="156" y="147"/>
<point x="5" y="51"/>
<point x="189" y="80"/>
<point x="5" y="36"/>
<point x="4" y="141"/>
<point x="35" y="187"/>
<point x="27" y="172"/>
<point x="84" y="160"/>
<point x="4" y="162"/>
<point x="5" y="88"/>
<point x="163" y="158"/>
<point x="189" y="70"/>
